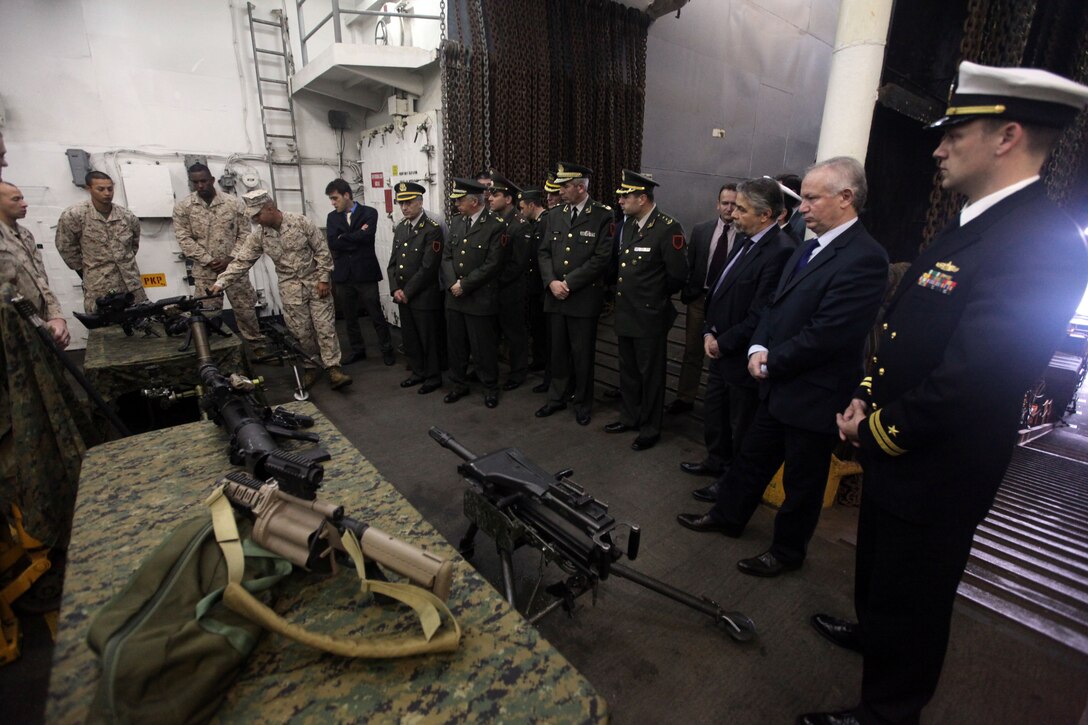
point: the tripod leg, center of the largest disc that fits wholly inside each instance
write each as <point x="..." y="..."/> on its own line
<point x="467" y="545"/>
<point x="508" y="575"/>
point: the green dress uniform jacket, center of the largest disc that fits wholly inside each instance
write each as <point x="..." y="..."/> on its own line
<point x="653" y="265"/>
<point x="473" y="255"/>
<point x="414" y="262"/>
<point x="577" y="253"/>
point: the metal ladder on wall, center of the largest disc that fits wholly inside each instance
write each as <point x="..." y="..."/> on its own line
<point x="280" y="145"/>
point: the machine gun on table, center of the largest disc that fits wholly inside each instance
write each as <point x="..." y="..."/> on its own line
<point x="516" y="503"/>
<point x="117" y="308"/>
<point x="285" y="347"/>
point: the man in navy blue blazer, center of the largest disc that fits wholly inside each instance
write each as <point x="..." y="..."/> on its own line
<point x="806" y="354"/>
<point x="356" y="273"/>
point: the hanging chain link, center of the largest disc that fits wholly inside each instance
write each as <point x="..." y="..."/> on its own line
<point x="528" y="82"/>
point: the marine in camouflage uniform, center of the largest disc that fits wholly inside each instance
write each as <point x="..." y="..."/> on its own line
<point x="209" y="226"/>
<point x="653" y="266"/>
<point x="513" y="313"/>
<point x="413" y="281"/>
<point x="99" y="240"/>
<point x="303" y="265"/>
<point x="471" y="261"/>
<point x="575" y="251"/>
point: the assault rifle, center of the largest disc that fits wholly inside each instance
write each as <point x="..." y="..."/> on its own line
<point x="516" y="503"/>
<point x="306" y="533"/>
<point x="117" y="308"/>
<point x="284" y="347"/>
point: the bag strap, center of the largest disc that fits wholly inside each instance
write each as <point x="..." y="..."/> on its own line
<point x="429" y="609"/>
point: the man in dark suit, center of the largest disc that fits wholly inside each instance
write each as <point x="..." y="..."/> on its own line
<point x="739" y="293"/>
<point x="513" y="316"/>
<point x="356" y="273"/>
<point x="792" y="221"/>
<point x="653" y="265"/>
<point x="533" y="211"/>
<point x="708" y="249"/>
<point x="574" y="255"/>
<point x="973" y="323"/>
<point x="471" y="262"/>
<point x="805" y="352"/>
<point x="413" y="280"/>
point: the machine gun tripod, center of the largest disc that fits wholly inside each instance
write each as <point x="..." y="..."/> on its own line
<point x="285" y="348"/>
<point x="516" y="503"/>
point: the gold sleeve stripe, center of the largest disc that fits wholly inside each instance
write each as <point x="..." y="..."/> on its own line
<point x="881" y="437"/>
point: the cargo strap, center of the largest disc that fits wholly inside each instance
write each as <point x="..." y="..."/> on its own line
<point x="428" y="608"/>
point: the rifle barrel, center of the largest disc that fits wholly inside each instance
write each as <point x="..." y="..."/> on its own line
<point x="445" y="440"/>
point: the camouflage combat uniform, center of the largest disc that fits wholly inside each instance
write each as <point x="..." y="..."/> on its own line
<point x="21" y="264"/>
<point x="302" y="260"/>
<point x="206" y="232"/>
<point x="103" y="249"/>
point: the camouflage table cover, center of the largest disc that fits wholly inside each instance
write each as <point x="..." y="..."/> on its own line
<point x="134" y="492"/>
<point x="116" y="363"/>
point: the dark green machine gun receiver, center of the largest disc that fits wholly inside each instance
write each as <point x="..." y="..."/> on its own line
<point x="516" y="503"/>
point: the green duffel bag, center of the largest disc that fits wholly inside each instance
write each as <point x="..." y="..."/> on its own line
<point x="170" y="649"/>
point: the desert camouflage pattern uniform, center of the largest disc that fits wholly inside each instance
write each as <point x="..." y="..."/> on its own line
<point x="302" y="259"/>
<point x="103" y="249"/>
<point x="44" y="430"/>
<point x="206" y="232"/>
<point x="21" y="264"/>
<point x="504" y="671"/>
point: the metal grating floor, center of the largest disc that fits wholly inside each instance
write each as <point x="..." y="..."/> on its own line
<point x="1030" y="556"/>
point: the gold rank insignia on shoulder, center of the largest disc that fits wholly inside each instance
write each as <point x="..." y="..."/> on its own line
<point x="667" y="220"/>
<point x="947" y="267"/>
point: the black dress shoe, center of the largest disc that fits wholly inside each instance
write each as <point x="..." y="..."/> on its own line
<point x="618" y="427"/>
<point x="454" y="395"/>
<point x="511" y="385"/>
<point x="703" y="522"/>
<point x="582" y="418"/>
<point x="355" y="357"/>
<point x="491" y="400"/>
<point x="837" y="631"/>
<point x="549" y="409"/>
<point x="388" y="357"/>
<point x="845" y="717"/>
<point x="428" y="388"/>
<point x="411" y="382"/>
<point x="707" y="494"/>
<point x="766" y="565"/>
<point x="542" y="388"/>
<point x="612" y="393"/>
<point x="699" y="469"/>
<point x="644" y="442"/>
<point x="679" y="406"/>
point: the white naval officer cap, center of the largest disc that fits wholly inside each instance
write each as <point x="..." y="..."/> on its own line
<point x="1029" y="95"/>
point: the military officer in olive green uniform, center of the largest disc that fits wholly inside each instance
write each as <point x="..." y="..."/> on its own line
<point x="513" y="317"/>
<point x="413" y="280"/>
<point x="471" y="262"/>
<point x="574" y="255"/>
<point x="531" y="206"/>
<point x="652" y="267"/>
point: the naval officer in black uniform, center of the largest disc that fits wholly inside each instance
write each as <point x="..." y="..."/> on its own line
<point x="574" y="255"/>
<point x="413" y="281"/>
<point x="471" y="262"/>
<point x="653" y="265"/>
<point x="973" y="323"/>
